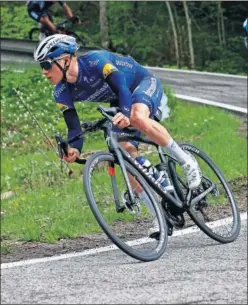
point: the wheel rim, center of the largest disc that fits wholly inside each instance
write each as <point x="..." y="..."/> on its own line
<point x="128" y="229"/>
<point x="216" y="214"/>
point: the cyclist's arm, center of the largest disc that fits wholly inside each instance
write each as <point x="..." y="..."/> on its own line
<point x="62" y="93"/>
<point x="115" y="79"/>
<point x="73" y="124"/>
<point x="117" y="83"/>
<point x="67" y="10"/>
<point x="45" y="20"/>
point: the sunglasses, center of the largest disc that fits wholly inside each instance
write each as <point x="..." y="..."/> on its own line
<point x="46" y="65"/>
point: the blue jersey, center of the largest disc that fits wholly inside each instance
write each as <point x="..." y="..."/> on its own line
<point x="44" y="5"/>
<point x="107" y="77"/>
<point x="38" y="9"/>
<point x="91" y="85"/>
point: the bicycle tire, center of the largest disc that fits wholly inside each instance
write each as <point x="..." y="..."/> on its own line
<point x="33" y="32"/>
<point x="192" y="213"/>
<point x="163" y="238"/>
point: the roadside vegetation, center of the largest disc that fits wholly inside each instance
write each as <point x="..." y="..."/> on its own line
<point x="48" y="204"/>
<point x="198" y="35"/>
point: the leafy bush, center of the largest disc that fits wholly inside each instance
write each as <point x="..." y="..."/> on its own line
<point x="15" y="21"/>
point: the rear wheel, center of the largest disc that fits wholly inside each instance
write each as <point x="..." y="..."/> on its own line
<point x="128" y="226"/>
<point x="217" y="204"/>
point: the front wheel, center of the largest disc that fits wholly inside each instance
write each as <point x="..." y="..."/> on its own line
<point x="216" y="214"/>
<point x="125" y="223"/>
<point x="34" y="34"/>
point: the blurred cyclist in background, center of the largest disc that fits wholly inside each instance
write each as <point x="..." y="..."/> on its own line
<point x="245" y="26"/>
<point x="39" y="11"/>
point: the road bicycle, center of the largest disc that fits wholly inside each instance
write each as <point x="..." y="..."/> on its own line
<point x="64" y="27"/>
<point x="113" y="178"/>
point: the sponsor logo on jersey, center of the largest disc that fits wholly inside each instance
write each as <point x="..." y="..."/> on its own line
<point x="108" y="69"/>
<point x="99" y="92"/>
<point x="93" y="63"/>
<point x="152" y="87"/>
<point x="123" y="63"/>
<point x="59" y="90"/>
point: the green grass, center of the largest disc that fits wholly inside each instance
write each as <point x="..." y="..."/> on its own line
<point x="49" y="205"/>
<point x="48" y="214"/>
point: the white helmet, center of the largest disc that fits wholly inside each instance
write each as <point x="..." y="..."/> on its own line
<point x="55" y="45"/>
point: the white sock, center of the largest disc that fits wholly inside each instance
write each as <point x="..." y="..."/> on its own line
<point x="176" y="151"/>
<point x="145" y="199"/>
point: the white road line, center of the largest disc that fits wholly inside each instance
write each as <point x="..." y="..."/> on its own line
<point x="95" y="251"/>
<point x="212" y="103"/>
<point x="196" y="72"/>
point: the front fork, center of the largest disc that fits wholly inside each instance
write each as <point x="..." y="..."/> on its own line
<point x="113" y="148"/>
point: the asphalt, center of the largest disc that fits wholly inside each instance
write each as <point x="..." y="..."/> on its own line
<point x="213" y="87"/>
<point x="194" y="270"/>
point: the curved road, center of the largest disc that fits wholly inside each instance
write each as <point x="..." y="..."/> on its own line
<point x="194" y="270"/>
<point x="221" y="88"/>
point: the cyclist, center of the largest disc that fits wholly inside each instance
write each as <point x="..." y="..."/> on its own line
<point x="102" y="76"/>
<point x="39" y="11"/>
<point x="245" y="26"/>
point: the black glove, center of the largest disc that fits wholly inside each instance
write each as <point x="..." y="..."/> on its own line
<point x="75" y="20"/>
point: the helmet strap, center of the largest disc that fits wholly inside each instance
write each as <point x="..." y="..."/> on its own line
<point x="63" y="70"/>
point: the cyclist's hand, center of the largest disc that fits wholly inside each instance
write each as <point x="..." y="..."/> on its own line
<point x="60" y="31"/>
<point x="73" y="154"/>
<point x="120" y="120"/>
<point x="75" y="20"/>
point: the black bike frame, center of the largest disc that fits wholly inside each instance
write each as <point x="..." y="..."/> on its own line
<point x="121" y="155"/>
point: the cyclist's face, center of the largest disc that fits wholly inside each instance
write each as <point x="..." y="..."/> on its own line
<point x="54" y="74"/>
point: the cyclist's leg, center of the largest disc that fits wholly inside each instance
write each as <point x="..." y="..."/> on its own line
<point x="146" y="99"/>
<point x="132" y="148"/>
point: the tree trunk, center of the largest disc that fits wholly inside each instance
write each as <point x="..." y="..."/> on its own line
<point x="103" y="24"/>
<point x="222" y="25"/>
<point x="218" y="23"/>
<point x="179" y="36"/>
<point x="174" y="32"/>
<point x="191" y="49"/>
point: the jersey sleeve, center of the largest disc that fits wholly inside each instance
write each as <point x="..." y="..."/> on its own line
<point x="63" y="97"/>
<point x="117" y="81"/>
<point x="102" y="65"/>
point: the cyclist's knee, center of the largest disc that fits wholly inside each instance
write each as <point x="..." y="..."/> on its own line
<point x="139" y="121"/>
<point x="130" y="148"/>
<point x="139" y="115"/>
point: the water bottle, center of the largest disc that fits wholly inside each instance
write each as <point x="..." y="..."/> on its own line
<point x="160" y="176"/>
<point x="162" y="168"/>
